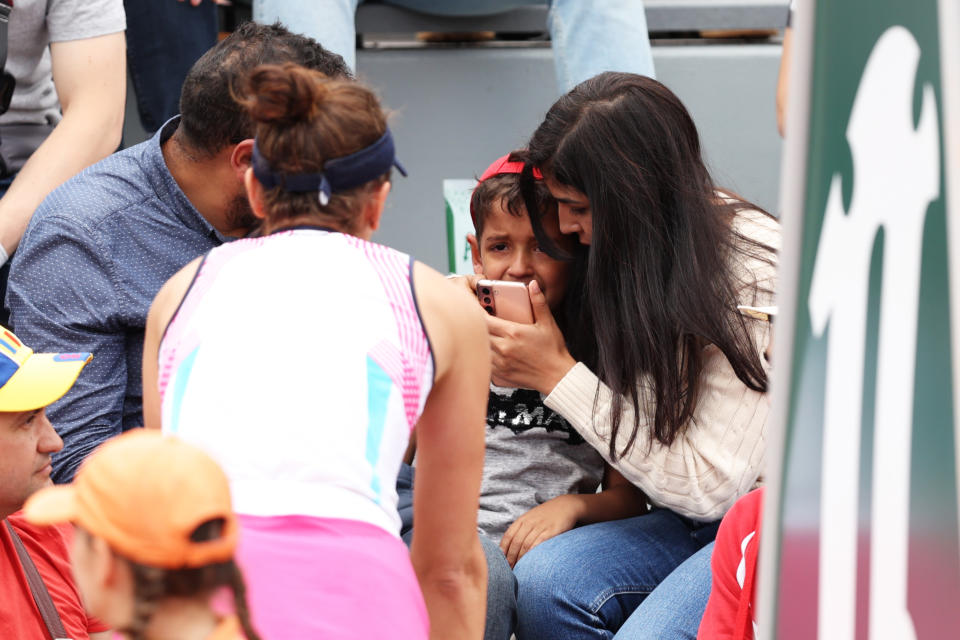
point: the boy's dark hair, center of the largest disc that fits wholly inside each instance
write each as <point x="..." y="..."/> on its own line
<point x="505" y="190"/>
<point x="210" y="118"/>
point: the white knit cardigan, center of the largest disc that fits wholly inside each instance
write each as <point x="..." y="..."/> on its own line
<point x="720" y="455"/>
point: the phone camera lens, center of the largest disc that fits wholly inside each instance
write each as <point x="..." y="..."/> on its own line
<point x="485" y="291"/>
<point x="486" y="299"/>
<point x="489" y="309"/>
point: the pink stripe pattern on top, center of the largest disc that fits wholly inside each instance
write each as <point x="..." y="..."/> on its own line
<point x="395" y="272"/>
<point x="390" y="360"/>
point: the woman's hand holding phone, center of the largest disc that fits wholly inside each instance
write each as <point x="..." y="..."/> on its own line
<point x="529" y="356"/>
<point x="507" y="300"/>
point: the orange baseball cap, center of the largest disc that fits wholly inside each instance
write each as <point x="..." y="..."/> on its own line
<point x="145" y="494"/>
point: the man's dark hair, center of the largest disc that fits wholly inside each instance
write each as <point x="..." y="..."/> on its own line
<point x="210" y="118"/>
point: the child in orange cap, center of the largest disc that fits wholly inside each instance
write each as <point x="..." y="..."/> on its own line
<point x="155" y="537"/>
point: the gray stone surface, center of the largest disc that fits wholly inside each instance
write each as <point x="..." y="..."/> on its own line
<point x="456" y="110"/>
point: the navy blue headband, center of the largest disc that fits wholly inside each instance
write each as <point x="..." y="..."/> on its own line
<point x="339" y="174"/>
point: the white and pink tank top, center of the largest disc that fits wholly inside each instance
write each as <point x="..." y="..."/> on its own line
<point x="300" y="363"/>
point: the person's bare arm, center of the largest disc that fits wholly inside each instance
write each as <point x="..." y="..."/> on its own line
<point x="103" y="635"/>
<point x="164" y="305"/>
<point x="90" y="77"/>
<point x="445" y="551"/>
<point x="783" y="80"/>
<point x="618" y="499"/>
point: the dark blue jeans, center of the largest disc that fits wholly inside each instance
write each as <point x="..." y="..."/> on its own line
<point x="164" y="39"/>
<point x="587" y="583"/>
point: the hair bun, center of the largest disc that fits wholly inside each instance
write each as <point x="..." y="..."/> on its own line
<point x="284" y="94"/>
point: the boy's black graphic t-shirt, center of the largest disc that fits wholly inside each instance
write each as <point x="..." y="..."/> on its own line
<point x="533" y="455"/>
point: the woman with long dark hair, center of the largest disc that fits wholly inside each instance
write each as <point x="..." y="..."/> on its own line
<point x="658" y="368"/>
<point x="311" y="408"/>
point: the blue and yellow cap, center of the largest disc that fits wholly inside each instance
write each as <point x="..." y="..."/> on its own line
<point x="31" y="380"/>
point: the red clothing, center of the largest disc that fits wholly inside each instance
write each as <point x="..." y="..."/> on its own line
<point x="49" y="549"/>
<point x="730" y="610"/>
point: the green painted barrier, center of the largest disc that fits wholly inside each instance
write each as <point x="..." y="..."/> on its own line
<point x="860" y="535"/>
<point x="456" y="196"/>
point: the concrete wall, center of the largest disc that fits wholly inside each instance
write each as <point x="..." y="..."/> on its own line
<point x="458" y="109"/>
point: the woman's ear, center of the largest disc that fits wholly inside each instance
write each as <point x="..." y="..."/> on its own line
<point x="373" y="211"/>
<point x="254" y="194"/>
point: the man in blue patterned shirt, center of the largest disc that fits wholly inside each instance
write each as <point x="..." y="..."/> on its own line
<point x="101" y="245"/>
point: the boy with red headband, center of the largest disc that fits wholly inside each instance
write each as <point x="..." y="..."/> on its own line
<point x="540" y="478"/>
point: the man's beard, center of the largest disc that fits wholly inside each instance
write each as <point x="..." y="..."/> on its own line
<point x="239" y="215"/>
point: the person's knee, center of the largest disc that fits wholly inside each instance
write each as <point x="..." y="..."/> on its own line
<point x="541" y="577"/>
<point x="500" y="578"/>
<point x="501" y="593"/>
<point x="674" y="609"/>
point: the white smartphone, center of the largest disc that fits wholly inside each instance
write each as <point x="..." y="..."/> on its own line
<point x="507" y="300"/>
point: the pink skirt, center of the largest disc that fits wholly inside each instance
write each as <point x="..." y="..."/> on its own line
<point x="329" y="579"/>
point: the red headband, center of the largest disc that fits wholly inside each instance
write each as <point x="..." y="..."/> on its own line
<point x="501" y="166"/>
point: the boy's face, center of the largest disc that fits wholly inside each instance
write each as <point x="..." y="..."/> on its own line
<point x="508" y="250"/>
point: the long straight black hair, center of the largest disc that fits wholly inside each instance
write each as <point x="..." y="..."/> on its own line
<point x="657" y="284"/>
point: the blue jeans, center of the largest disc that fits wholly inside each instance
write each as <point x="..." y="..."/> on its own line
<point x="588" y="37"/>
<point x="501" y="593"/>
<point x="594" y="581"/>
<point x="674" y="609"/>
<point x="501" y="617"/>
<point x="164" y="39"/>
